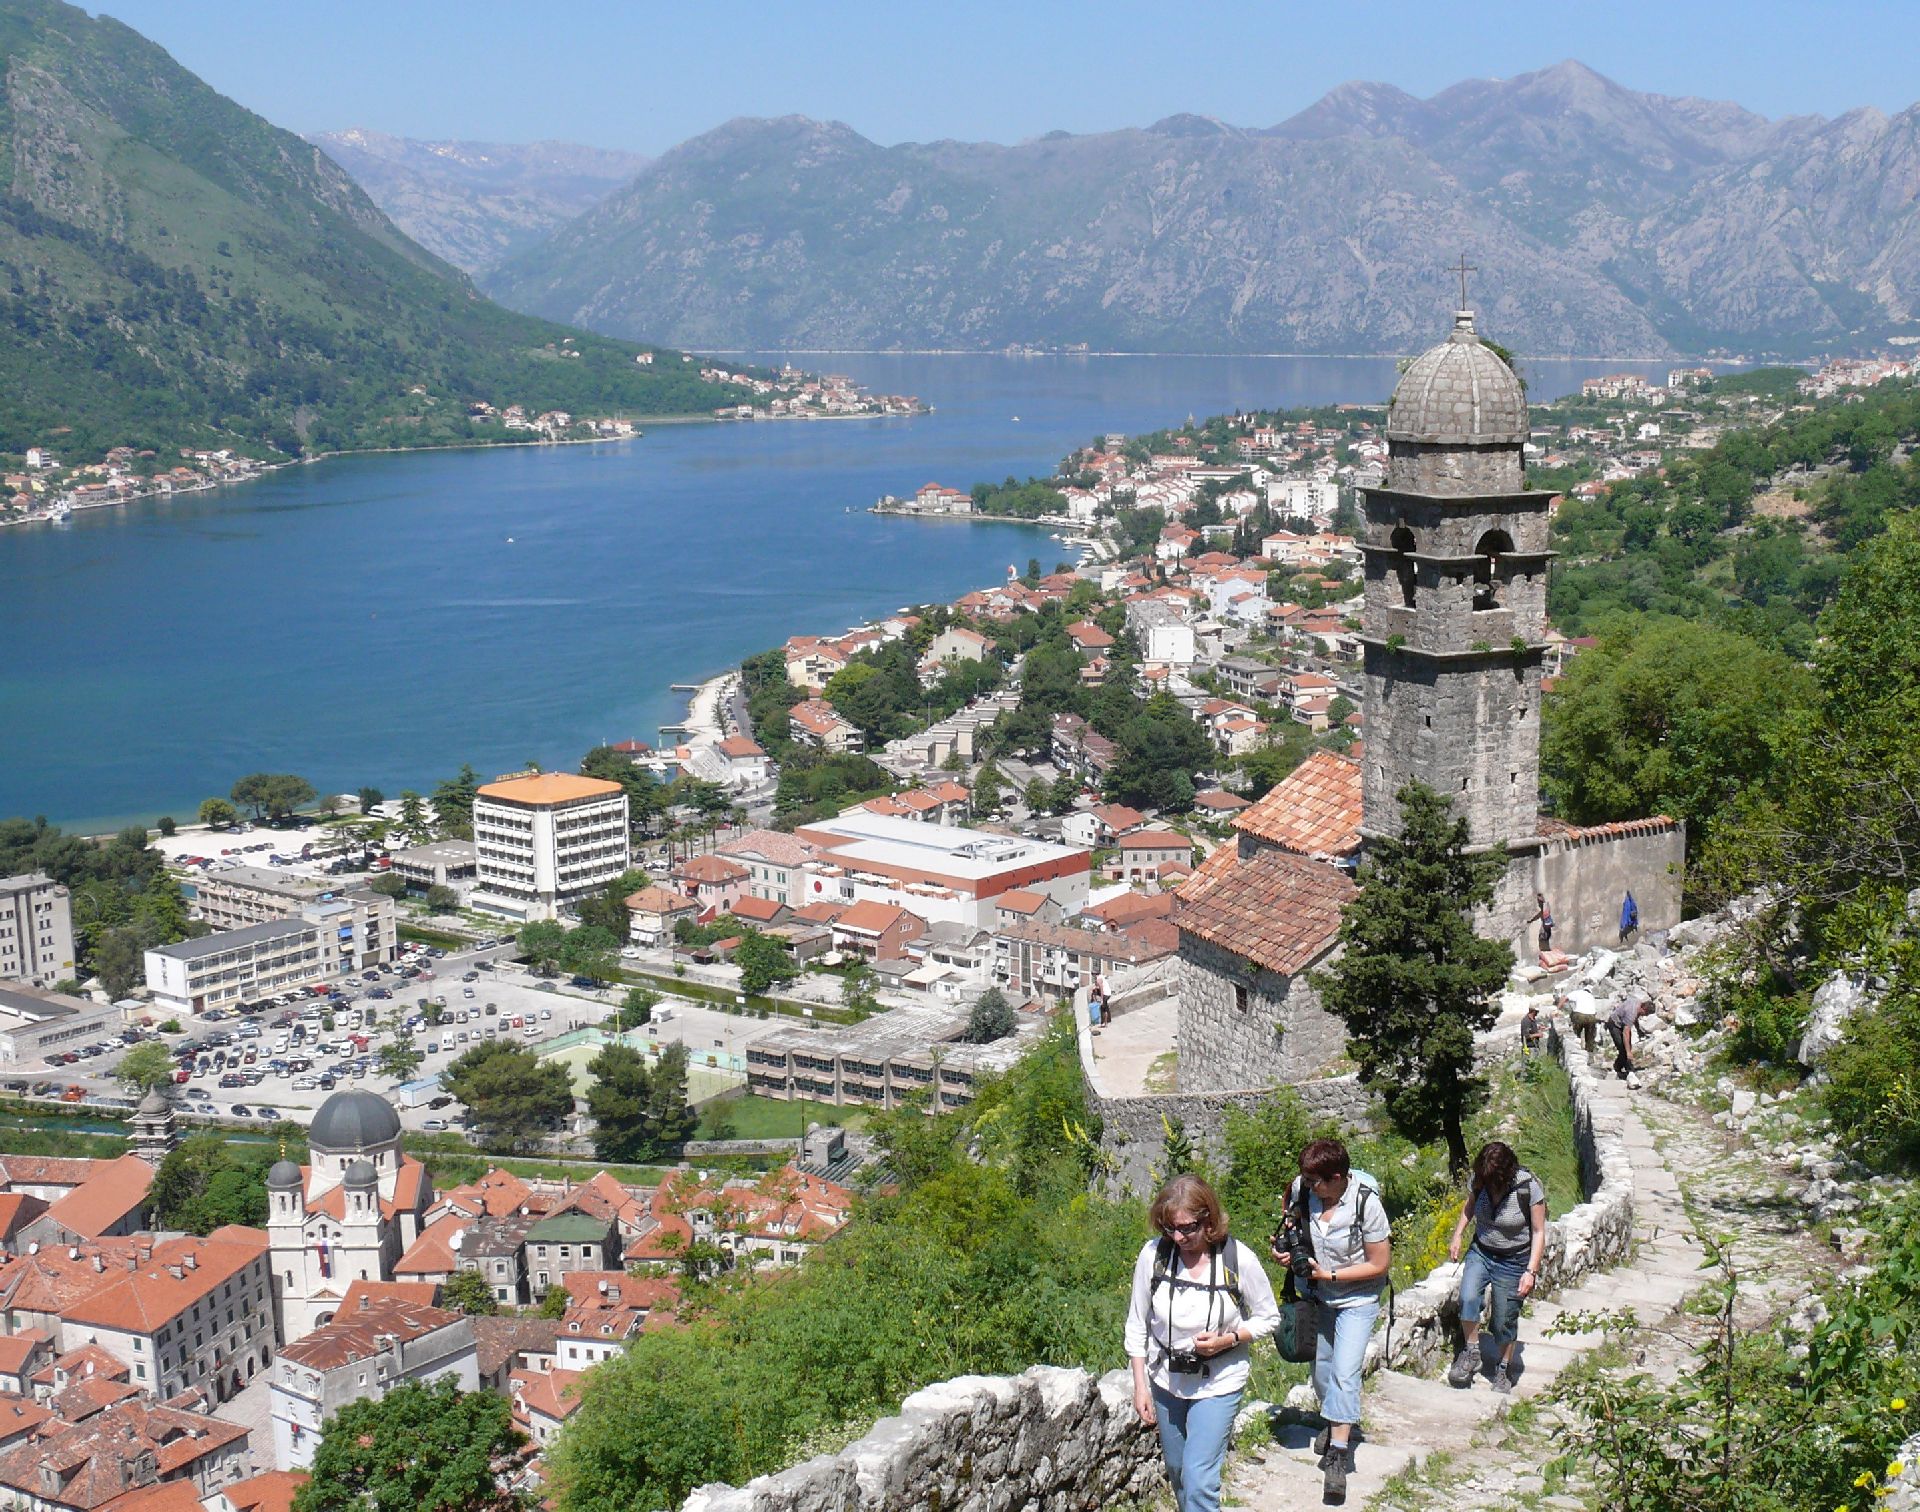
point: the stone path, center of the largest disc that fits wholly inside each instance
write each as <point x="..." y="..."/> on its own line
<point x="1417" y="1427"/>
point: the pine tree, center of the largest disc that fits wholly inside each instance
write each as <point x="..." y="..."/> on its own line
<point x="1414" y="983"/>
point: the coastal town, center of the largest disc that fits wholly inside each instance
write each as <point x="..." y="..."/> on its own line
<point x="859" y="878"/>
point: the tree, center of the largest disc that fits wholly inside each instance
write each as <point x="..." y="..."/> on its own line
<point x="145" y="1067"/>
<point x="1160" y="750"/>
<point x="991" y="1018"/>
<point x="619" y="1100"/>
<point x="636" y="1008"/>
<point x="989" y="790"/>
<point x="119" y="961"/>
<point x="205" y="1183"/>
<point x="412" y="823"/>
<point x="1667" y="716"/>
<point x="555" y="1303"/>
<point x="273" y="795"/>
<point x="442" y="899"/>
<point x="856" y="991"/>
<point x="674" y="1119"/>
<point x="468" y="1292"/>
<point x="540" y="943"/>
<point x="591" y="951"/>
<point x="398" y="1060"/>
<point x="1414" y="983"/>
<point x="165" y="824"/>
<point x="453" y="803"/>
<point x="510" y="1093"/>
<point x="369" y="1458"/>
<point x="370" y="799"/>
<point x="608" y="907"/>
<point x="217" y="812"/>
<point x="644" y="795"/>
<point x="388" y="885"/>
<point x="763" y="962"/>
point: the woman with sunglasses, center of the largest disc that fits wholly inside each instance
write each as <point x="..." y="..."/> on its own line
<point x="1351" y="1248"/>
<point x="1200" y="1299"/>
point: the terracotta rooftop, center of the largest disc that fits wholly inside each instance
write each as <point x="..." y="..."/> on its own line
<point x="179" y="1273"/>
<point x="740" y="746"/>
<point x="1108" y="945"/>
<point x="549" y="787"/>
<point x="19" y="1416"/>
<point x="356" y="1335"/>
<point x="17" y="1210"/>
<point x="17" y="1350"/>
<point x="45" y="1170"/>
<point x="1559" y="829"/>
<point x="870" y="917"/>
<point x="89" y="1460"/>
<point x="770" y="845"/>
<point x="756" y="910"/>
<point x="1313" y="811"/>
<point x="551" y="1394"/>
<point x="270" y="1492"/>
<point x="1154" y="840"/>
<point x="1219" y="801"/>
<point x="717" y="869"/>
<point x="1129" y="908"/>
<point x="1278" y="910"/>
<point x="166" y="1496"/>
<point x="115" y="1189"/>
<point x="1020" y="900"/>
<point x="498" y="1341"/>
<point x="659" y="900"/>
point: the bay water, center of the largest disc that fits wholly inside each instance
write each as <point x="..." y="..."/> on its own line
<point x="381" y="619"/>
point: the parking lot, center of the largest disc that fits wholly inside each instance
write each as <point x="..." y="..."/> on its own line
<point x="281" y="1062"/>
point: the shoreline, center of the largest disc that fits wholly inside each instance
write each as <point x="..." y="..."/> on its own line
<point x="1217" y="356"/>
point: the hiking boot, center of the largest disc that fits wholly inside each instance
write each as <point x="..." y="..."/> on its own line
<point x="1334" y="1489"/>
<point x="1502" y="1382"/>
<point x="1465" y="1367"/>
<point x="1324" y="1438"/>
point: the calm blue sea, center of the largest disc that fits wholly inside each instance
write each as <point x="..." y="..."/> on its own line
<point x="382" y="619"/>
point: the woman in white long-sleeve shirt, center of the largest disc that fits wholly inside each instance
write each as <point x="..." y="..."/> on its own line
<point x="1200" y="1299"/>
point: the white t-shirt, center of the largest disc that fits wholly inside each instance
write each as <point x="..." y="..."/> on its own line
<point x="1185" y="1306"/>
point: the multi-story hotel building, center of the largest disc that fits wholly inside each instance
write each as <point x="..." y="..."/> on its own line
<point x="359" y="921"/>
<point x="36" y="930"/>
<point x="240" y="966"/>
<point x="545" y="841"/>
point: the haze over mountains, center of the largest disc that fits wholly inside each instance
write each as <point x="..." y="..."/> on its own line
<point x="1602" y="221"/>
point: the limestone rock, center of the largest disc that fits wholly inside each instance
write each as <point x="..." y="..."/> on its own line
<point x="1836" y="1001"/>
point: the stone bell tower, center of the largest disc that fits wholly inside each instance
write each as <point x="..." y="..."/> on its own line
<point x="1454" y="621"/>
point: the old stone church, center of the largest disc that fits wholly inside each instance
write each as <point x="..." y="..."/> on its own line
<point x="1454" y="627"/>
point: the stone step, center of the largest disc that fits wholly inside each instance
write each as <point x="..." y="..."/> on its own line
<point x="1406" y="1409"/>
<point x="1289" y="1473"/>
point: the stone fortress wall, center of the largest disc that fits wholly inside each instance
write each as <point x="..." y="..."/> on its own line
<point x="1059" y="1440"/>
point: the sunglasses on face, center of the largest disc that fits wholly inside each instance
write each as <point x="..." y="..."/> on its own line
<point x="1187" y="1228"/>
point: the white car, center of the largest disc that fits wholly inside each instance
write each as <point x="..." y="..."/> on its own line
<point x="532" y="1031"/>
<point x="304" y="1084"/>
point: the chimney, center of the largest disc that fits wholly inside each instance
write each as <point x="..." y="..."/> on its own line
<point x="363" y="1301"/>
<point x="98" y="1265"/>
<point x="178" y="1272"/>
<point x="192" y="1261"/>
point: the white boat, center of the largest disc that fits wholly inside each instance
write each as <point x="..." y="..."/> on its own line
<point x="59" y="512"/>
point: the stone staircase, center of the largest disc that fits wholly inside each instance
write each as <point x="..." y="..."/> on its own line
<point x="1410" y="1418"/>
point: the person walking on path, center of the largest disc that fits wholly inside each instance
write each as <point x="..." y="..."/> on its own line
<point x="1544" y="913"/>
<point x="1339" y="1214"/>
<point x="1533" y="1031"/>
<point x="1200" y="1299"/>
<point x="1507" y="1208"/>
<point x="1620" y="1028"/>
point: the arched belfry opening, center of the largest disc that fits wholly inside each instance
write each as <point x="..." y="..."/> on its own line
<point x="1403" y="543"/>
<point x="1490" y="570"/>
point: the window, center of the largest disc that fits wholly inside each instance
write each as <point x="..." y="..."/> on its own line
<point x="1402" y="542"/>
<point x="1242" y="999"/>
<point x="1489" y="576"/>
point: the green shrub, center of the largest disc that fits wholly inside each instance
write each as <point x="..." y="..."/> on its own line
<point x="1874" y="1095"/>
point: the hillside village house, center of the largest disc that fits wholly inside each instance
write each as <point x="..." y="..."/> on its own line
<point x="816" y="722"/>
<point x="1143" y="854"/>
<point x="774" y="863"/>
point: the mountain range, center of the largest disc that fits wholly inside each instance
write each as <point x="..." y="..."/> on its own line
<point x="175" y="269"/>
<point x="477" y="203"/>
<point x="1601" y="221"/>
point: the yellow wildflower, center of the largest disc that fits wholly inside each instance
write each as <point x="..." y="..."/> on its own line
<point x="1893" y="1470"/>
<point x="1898" y="1404"/>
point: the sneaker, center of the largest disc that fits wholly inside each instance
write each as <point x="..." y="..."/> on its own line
<point x="1464" y="1368"/>
<point x="1334" y="1488"/>
<point x="1502" y="1382"/>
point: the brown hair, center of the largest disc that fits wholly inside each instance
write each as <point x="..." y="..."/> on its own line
<point x="1494" y="1169"/>
<point x="1324" y="1159"/>
<point x="1189" y="1194"/>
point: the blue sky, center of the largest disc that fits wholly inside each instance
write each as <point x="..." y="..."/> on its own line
<point x="644" y="75"/>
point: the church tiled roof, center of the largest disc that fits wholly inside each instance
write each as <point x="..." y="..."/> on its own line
<point x="1313" y="811"/>
<point x="1278" y="910"/>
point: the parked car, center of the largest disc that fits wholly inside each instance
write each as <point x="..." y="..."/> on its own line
<point x="266" y="1112"/>
<point x="434" y="1125"/>
<point x="241" y="1110"/>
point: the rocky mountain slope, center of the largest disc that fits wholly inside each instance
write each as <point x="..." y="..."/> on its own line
<point x="174" y="268"/>
<point x="1602" y="221"/>
<point x="476" y="203"/>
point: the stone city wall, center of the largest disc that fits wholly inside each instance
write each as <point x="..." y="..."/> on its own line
<point x="1049" y="1440"/>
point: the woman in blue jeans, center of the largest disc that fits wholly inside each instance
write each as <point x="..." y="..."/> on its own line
<point x="1199" y="1301"/>
<point x="1507" y="1208"/>
<point x="1352" y="1246"/>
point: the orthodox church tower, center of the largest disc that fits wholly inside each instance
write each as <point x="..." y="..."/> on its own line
<point x="1454" y="621"/>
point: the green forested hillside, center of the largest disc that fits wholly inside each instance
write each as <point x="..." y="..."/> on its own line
<point x="173" y="268"/>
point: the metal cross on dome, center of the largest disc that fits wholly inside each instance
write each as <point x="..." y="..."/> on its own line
<point x="1463" y="268"/>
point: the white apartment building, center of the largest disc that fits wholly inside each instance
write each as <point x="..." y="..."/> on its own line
<point x="358" y="920"/>
<point x="1309" y="498"/>
<point x="373" y="1344"/>
<point x="545" y="841"/>
<point x="239" y="966"/>
<point x="36" y="930"/>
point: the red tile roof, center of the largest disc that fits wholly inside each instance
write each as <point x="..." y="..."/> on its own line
<point x="45" y="1170"/>
<point x="1278" y="910"/>
<point x="356" y="1335"/>
<point x="710" y="869"/>
<point x="1155" y="840"/>
<point x="180" y="1273"/>
<point x="17" y="1350"/>
<point x="270" y="1492"/>
<point x="1313" y="811"/>
<point x="756" y="910"/>
<point x="871" y="918"/>
<point x="89" y="1458"/>
<point x="1559" y="829"/>
<point x="1219" y="801"/>
<point x="660" y="900"/>
<point x="1019" y="900"/>
<point x="552" y="1395"/>
<point x="740" y="746"/>
<point x="1130" y="908"/>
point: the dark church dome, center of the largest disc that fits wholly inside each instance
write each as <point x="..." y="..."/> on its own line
<point x="353" y="1121"/>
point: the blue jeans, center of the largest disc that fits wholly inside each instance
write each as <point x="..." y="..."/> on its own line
<point x="1193" y="1439"/>
<point x="1481" y="1270"/>
<point x="1344" y="1332"/>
